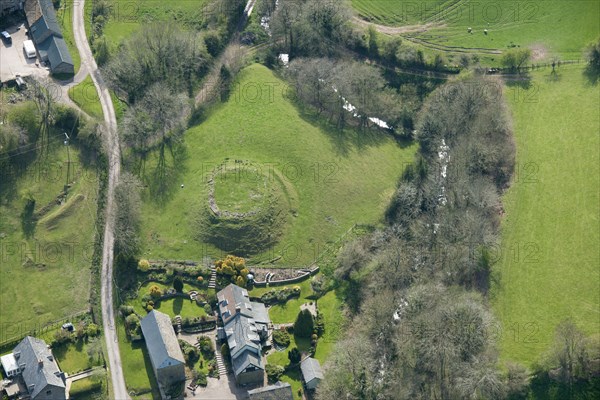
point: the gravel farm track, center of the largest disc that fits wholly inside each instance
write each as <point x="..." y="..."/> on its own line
<point x="119" y="390"/>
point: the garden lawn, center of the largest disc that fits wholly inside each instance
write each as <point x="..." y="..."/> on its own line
<point x="45" y="275"/>
<point x="330" y="306"/>
<point x="86" y="97"/>
<point x="89" y="388"/>
<point x="172" y="307"/>
<point x="286" y="313"/>
<point x="548" y="270"/>
<point x="73" y="358"/>
<point x="292" y="376"/>
<point x="332" y="179"/>
<point x="137" y="367"/>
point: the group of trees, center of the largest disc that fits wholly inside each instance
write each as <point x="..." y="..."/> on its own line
<point x="421" y="324"/>
<point x="34" y="125"/>
<point x="234" y="269"/>
<point x="304" y="325"/>
<point x="311" y="27"/>
<point x="127" y="216"/>
<point x="348" y="92"/>
<point x="514" y="59"/>
<point x="157" y="120"/>
<point x="428" y="342"/>
<point x="158" y="53"/>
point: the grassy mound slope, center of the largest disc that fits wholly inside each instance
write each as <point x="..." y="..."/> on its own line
<point x="332" y="180"/>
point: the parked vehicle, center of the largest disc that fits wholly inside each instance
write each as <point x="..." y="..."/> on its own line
<point x="20" y="82"/>
<point x="29" y="49"/>
<point x="6" y="37"/>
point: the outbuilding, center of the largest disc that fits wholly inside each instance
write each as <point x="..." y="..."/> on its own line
<point x="9" y="363"/>
<point x="311" y="372"/>
<point x="163" y="348"/>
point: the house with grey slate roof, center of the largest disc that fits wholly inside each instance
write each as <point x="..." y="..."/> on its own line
<point x="163" y="348"/>
<point x="40" y="373"/>
<point x="245" y="328"/>
<point x="278" y="391"/>
<point x="47" y="36"/>
<point x="311" y="372"/>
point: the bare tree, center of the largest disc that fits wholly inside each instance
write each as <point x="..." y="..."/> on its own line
<point x="127" y="217"/>
<point x="570" y="352"/>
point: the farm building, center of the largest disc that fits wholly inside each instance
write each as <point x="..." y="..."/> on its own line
<point x="311" y="372"/>
<point x="165" y="354"/>
<point x="245" y="327"/>
<point x="41" y="375"/>
<point x="47" y="36"/>
<point x="278" y="391"/>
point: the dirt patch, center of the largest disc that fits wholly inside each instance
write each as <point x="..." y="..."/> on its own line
<point x="398" y="30"/>
<point x="52" y="222"/>
<point x="538" y="52"/>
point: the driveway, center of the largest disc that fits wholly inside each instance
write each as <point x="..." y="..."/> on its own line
<point x="13" y="60"/>
<point x="223" y="388"/>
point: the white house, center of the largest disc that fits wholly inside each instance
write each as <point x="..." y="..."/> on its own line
<point x="9" y="363"/>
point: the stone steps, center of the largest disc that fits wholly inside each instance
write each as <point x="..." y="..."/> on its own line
<point x="220" y="364"/>
<point x="212" y="283"/>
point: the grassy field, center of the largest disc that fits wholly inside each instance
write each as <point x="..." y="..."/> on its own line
<point x="552" y="27"/>
<point x="318" y="170"/>
<point x="550" y="238"/>
<point x="86" y="97"/>
<point x="397" y="12"/>
<point x="45" y="272"/>
<point x="128" y="16"/>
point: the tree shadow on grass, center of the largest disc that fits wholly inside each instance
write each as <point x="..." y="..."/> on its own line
<point x="302" y="343"/>
<point x="79" y="345"/>
<point x="141" y="345"/>
<point x="28" y="218"/>
<point x="522" y="81"/>
<point x="343" y="140"/>
<point x="592" y="75"/>
<point x="164" y="179"/>
<point x="8" y="185"/>
<point x="177" y="305"/>
<point x="60" y="352"/>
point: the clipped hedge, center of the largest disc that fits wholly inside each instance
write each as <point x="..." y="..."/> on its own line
<point x="280" y="296"/>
